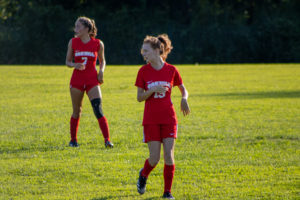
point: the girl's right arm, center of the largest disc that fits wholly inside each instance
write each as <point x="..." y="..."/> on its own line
<point x="143" y="95"/>
<point x="69" y="58"/>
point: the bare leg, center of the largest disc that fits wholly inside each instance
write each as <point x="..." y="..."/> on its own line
<point x="169" y="145"/>
<point x="94" y="93"/>
<point x="154" y="152"/>
<point x="154" y="157"/>
<point x="77" y="97"/>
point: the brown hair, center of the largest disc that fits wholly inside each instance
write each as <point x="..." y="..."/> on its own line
<point x="89" y="23"/>
<point x="161" y="42"/>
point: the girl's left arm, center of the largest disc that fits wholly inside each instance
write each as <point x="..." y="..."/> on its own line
<point x="184" y="104"/>
<point x="102" y="62"/>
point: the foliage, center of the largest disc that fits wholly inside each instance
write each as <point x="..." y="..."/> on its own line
<point x="202" y="31"/>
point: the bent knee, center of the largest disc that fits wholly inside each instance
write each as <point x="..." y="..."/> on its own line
<point x="154" y="160"/>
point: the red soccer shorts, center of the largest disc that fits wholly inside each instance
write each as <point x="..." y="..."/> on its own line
<point x="84" y="82"/>
<point x="157" y="132"/>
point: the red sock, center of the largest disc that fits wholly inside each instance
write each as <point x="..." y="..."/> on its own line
<point x="104" y="127"/>
<point x="74" y="123"/>
<point x="168" y="176"/>
<point x="147" y="169"/>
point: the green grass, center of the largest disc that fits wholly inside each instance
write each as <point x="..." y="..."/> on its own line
<point x="241" y="140"/>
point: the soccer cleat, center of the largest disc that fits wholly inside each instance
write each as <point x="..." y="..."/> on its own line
<point x="141" y="184"/>
<point x="73" y="144"/>
<point x="168" y="195"/>
<point x="108" y="144"/>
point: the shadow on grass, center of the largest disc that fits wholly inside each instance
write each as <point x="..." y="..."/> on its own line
<point x="103" y="198"/>
<point x="26" y="148"/>
<point x="120" y="197"/>
<point x="255" y="95"/>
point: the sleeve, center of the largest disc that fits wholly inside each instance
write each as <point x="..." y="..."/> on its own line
<point x="177" y="80"/>
<point x="139" y="80"/>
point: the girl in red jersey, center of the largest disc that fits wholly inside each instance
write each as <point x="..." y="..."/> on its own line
<point x="82" y="54"/>
<point x="154" y="82"/>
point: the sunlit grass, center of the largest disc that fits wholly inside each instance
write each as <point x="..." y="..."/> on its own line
<point x="241" y="140"/>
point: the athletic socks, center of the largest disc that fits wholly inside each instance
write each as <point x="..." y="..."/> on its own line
<point x="74" y="123"/>
<point x="104" y="127"/>
<point x="147" y="169"/>
<point x="168" y="176"/>
<point x="169" y="171"/>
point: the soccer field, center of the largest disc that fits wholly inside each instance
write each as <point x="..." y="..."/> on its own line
<point x="241" y="140"/>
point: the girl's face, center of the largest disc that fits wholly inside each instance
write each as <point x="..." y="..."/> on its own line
<point x="80" y="29"/>
<point x="149" y="53"/>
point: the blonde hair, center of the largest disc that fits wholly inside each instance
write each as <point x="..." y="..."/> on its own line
<point x="90" y="24"/>
<point x="161" y="42"/>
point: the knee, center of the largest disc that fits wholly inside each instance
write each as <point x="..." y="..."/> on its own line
<point x="97" y="107"/>
<point x="154" y="159"/>
<point x="169" y="158"/>
<point x="77" y="113"/>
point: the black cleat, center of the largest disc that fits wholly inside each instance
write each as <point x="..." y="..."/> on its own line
<point x="141" y="184"/>
<point x="168" y="195"/>
<point x="108" y="144"/>
<point x="73" y="144"/>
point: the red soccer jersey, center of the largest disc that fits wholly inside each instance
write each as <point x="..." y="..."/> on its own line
<point x="86" y="53"/>
<point x="159" y="108"/>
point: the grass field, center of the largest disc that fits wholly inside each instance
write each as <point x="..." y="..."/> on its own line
<point x="241" y="140"/>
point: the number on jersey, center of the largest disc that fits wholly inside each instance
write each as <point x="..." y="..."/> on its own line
<point x="159" y="95"/>
<point x="85" y="60"/>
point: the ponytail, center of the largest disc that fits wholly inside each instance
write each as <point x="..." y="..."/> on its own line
<point x="161" y="42"/>
<point x="90" y="24"/>
<point x="93" y="31"/>
<point x="167" y="45"/>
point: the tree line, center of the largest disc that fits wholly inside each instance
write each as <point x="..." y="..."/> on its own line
<point x="202" y="31"/>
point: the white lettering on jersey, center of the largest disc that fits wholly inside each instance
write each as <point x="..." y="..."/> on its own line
<point x="167" y="84"/>
<point x="85" y="53"/>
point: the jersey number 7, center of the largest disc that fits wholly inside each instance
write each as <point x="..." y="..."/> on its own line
<point x="85" y="60"/>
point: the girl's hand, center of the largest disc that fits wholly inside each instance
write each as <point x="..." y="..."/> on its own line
<point x="185" y="109"/>
<point x="79" y="66"/>
<point x="160" y="88"/>
<point x="100" y="77"/>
